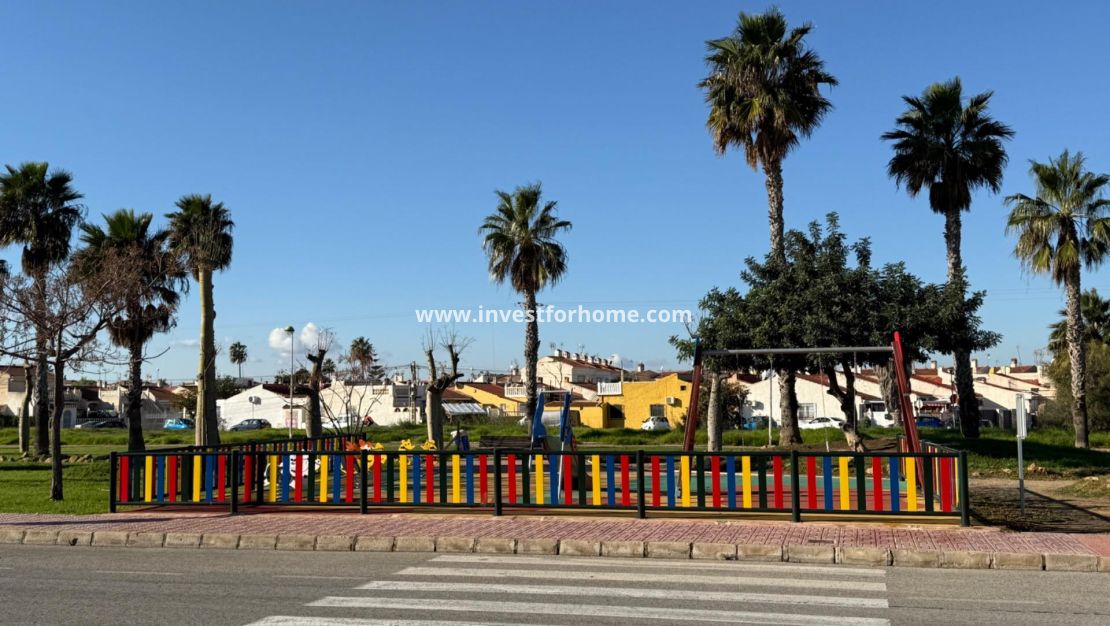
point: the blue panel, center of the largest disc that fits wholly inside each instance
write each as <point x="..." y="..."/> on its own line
<point x="610" y="468"/>
<point x="553" y="477"/>
<point x="285" y="459"/>
<point x="469" y="479"/>
<point x="210" y="476"/>
<point x="161" y="474"/>
<point x="730" y="465"/>
<point x="670" y="482"/>
<point x="337" y="463"/>
<point x="895" y="487"/>
<point x="827" y="468"/>
<point x="415" y="463"/>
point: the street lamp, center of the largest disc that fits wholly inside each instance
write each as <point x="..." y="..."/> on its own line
<point x="289" y="420"/>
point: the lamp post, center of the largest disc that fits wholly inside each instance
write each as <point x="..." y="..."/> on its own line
<point x="289" y="419"/>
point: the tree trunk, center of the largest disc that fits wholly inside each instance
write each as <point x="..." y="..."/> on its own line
<point x="315" y="425"/>
<point x="789" y="435"/>
<point x="773" y="174"/>
<point x="965" y="378"/>
<point x="952" y="225"/>
<point x="56" y="431"/>
<point x="1077" y="357"/>
<point x="134" y="410"/>
<point x="433" y="406"/>
<point x="845" y="396"/>
<point x="713" y="414"/>
<point x="42" y="404"/>
<point x="888" y="388"/>
<point x="208" y="428"/>
<point x="25" y="416"/>
<point x="531" y="353"/>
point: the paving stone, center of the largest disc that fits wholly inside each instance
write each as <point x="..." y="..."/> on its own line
<point x="183" y="540"/>
<point x="415" y="544"/>
<point x="668" y="549"/>
<point x="1064" y="562"/>
<point x="257" y="542"/>
<point x="146" y="540"/>
<point x="537" y="546"/>
<point x="1017" y="560"/>
<point x="109" y="538"/>
<point x="579" y="547"/>
<point x="40" y="537"/>
<point x="495" y="545"/>
<point x="296" y="542"/>
<point x="862" y="555"/>
<point x="811" y="554"/>
<point x="75" y="538"/>
<point x="11" y="535"/>
<point x="965" y="559"/>
<point x="715" y="551"/>
<point x="627" y="549"/>
<point x="756" y="552"/>
<point x="335" y="543"/>
<point x="916" y="558"/>
<point x="1104" y="563"/>
<point x="455" y="544"/>
<point x="374" y="544"/>
<point x="224" y="541"/>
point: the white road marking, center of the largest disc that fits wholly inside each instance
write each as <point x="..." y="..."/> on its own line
<point x="628" y="592"/>
<point x="592" y="610"/>
<point x="288" y="620"/>
<point x="639" y="577"/>
<point x="733" y="566"/>
<point x="306" y="576"/>
<point x="128" y="572"/>
<point x="972" y="600"/>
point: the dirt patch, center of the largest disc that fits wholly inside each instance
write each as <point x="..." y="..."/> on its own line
<point x="1049" y="507"/>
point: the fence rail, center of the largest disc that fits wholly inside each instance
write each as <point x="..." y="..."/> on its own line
<point x="325" y="442"/>
<point x="927" y="484"/>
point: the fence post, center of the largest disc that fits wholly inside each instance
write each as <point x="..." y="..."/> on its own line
<point x="234" y="482"/>
<point x="496" y="481"/>
<point x="112" y="482"/>
<point x="641" y="505"/>
<point x="795" y="491"/>
<point x="965" y="502"/>
<point x="363" y="505"/>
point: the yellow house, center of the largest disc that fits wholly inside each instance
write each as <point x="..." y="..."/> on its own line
<point x="510" y="400"/>
<point x="631" y="402"/>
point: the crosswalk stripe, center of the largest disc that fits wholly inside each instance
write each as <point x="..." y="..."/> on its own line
<point x="627" y="592"/>
<point x="592" y="610"/>
<point x="796" y="583"/>
<point x="289" y="620"/>
<point x="731" y="566"/>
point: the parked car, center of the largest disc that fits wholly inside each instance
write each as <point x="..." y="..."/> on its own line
<point x="253" y="423"/>
<point x="930" y="422"/>
<point x="755" y="422"/>
<point x="655" y="423"/>
<point x="818" y="423"/>
<point x="179" y="423"/>
<point x="115" y="423"/>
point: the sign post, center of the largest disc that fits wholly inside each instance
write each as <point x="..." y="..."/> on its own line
<point x="1021" y="431"/>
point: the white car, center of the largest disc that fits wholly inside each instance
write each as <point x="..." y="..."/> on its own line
<point x="655" y="423"/>
<point x="818" y="423"/>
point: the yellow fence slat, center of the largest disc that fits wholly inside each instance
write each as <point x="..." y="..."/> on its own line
<point x="596" y="487"/>
<point x="455" y="485"/>
<point x="746" y="476"/>
<point x="149" y="476"/>
<point x="323" y="478"/>
<point x="403" y="465"/>
<point x="197" y="462"/>
<point x="273" y="477"/>
<point x="684" y="464"/>
<point x="845" y="489"/>
<point x="911" y="484"/>
<point x="539" y="479"/>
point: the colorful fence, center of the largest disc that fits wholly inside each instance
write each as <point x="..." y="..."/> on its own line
<point x="326" y="442"/>
<point x="931" y="483"/>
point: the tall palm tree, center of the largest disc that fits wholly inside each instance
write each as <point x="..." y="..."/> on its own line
<point x="950" y="148"/>
<point x="200" y="231"/>
<point x="38" y="210"/>
<point x="519" y="238"/>
<point x="1062" y="228"/>
<point x="363" y="356"/>
<point x="764" y="95"/>
<point x="237" y="352"/>
<point x="1095" y="313"/>
<point x="152" y="300"/>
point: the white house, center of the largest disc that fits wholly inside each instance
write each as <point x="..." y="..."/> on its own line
<point x="386" y="404"/>
<point x="266" y="401"/>
<point x="571" y="367"/>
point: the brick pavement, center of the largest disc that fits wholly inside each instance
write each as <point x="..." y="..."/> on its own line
<point x="389" y="524"/>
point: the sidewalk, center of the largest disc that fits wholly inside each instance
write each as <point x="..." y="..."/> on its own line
<point x="875" y="544"/>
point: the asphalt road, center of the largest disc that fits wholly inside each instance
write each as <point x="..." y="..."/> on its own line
<point x="60" y="585"/>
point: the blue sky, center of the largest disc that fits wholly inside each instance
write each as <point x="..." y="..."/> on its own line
<point x="358" y="146"/>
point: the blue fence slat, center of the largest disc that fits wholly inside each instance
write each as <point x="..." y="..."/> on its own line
<point x="285" y="477"/>
<point x="161" y="478"/>
<point x="895" y="487"/>
<point x="826" y="466"/>
<point x="415" y="463"/>
<point x="670" y="482"/>
<point x="730" y="466"/>
<point x="336" y="484"/>
<point x="610" y="462"/>
<point x="469" y="479"/>
<point x="553" y="478"/>
<point x="209" y="476"/>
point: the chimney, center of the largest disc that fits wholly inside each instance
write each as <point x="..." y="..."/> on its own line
<point x="575" y="356"/>
<point x="1013" y="362"/>
<point x="933" y="364"/>
<point x="974" y="365"/>
<point x="640" y="366"/>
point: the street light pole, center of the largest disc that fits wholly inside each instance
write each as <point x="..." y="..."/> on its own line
<point x="289" y="419"/>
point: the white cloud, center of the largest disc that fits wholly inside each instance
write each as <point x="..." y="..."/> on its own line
<point x="280" y="341"/>
<point x="189" y="343"/>
<point x="310" y="334"/>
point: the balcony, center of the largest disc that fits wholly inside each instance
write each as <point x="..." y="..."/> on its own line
<point x="515" y="391"/>
<point x="609" y="389"/>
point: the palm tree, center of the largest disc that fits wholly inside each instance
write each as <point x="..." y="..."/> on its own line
<point x="152" y="301"/>
<point x="38" y="210"/>
<point x="1061" y="229"/>
<point x="200" y="231"/>
<point x="764" y="95"/>
<point x="519" y="239"/>
<point x="363" y="356"/>
<point x="1095" y="313"/>
<point x="951" y="149"/>
<point x="238" y="355"/>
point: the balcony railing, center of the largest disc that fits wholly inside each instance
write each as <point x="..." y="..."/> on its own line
<point x="609" y="389"/>
<point x="515" y="391"/>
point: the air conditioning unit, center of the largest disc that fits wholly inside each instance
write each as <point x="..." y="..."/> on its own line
<point x="672" y="401"/>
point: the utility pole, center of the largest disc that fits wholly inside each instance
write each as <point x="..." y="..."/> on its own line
<point x="412" y="392"/>
<point x="289" y="420"/>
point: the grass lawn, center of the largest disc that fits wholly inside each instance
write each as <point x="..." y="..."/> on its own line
<point x="25" y="488"/>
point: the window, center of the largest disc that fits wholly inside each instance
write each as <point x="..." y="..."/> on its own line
<point x="658" y="410"/>
<point x="17" y="385"/>
<point x="682" y="387"/>
<point x="807" y="411"/>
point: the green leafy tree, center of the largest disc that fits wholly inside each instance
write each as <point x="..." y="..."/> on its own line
<point x="1095" y="313"/>
<point x="1062" y="228"/>
<point x="152" y="299"/>
<point x="200" y="231"/>
<point x="237" y="352"/>
<point x="950" y="148"/>
<point x="1058" y="411"/>
<point x="520" y="241"/>
<point x="38" y="211"/>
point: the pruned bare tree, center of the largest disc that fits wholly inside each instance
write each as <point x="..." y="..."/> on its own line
<point x="317" y="354"/>
<point x="347" y="402"/>
<point x="440" y="377"/>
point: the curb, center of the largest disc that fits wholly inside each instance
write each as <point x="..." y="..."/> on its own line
<point x="790" y="553"/>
